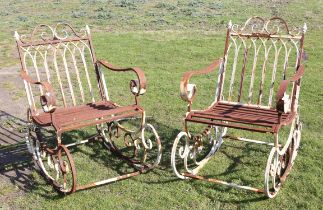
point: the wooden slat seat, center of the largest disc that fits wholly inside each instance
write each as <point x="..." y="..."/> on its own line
<point x="239" y="116"/>
<point x="65" y="119"/>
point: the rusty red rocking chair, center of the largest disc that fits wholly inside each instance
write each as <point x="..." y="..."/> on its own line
<point x="262" y="62"/>
<point x="66" y="90"/>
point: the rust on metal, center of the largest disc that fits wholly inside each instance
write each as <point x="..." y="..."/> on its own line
<point x="260" y="47"/>
<point x="245" y="56"/>
<point x="57" y="64"/>
<point x="107" y="181"/>
<point x="238" y="114"/>
<point x="224" y="183"/>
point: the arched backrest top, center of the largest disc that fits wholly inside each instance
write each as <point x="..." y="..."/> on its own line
<point x="274" y="27"/>
<point x="257" y="56"/>
<point x="44" y="34"/>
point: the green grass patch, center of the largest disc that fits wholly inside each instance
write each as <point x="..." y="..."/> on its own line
<point x="178" y="52"/>
<point x="165" y="40"/>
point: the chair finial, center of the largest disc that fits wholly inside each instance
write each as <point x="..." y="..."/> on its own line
<point x="304" y="28"/>
<point x="87" y="28"/>
<point x="16" y="35"/>
<point x="230" y="24"/>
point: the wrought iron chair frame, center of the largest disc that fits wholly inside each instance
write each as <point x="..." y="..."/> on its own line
<point x="281" y="157"/>
<point x="103" y="114"/>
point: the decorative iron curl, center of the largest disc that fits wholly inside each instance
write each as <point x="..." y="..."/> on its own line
<point x="272" y="26"/>
<point x="61" y="31"/>
<point x="252" y="25"/>
<point x="65" y="26"/>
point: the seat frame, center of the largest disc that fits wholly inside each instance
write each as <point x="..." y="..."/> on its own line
<point x="224" y="114"/>
<point x="54" y="160"/>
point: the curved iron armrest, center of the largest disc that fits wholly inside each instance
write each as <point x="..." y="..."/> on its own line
<point x="137" y="87"/>
<point x="282" y="98"/>
<point x="188" y="90"/>
<point x="48" y="100"/>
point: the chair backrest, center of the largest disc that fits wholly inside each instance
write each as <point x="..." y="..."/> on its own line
<point x="63" y="57"/>
<point x="257" y="57"/>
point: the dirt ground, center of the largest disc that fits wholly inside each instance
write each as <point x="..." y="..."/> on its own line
<point x="15" y="163"/>
<point x="12" y="95"/>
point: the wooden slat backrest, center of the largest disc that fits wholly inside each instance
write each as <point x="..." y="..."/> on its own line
<point x="257" y="56"/>
<point x="63" y="57"/>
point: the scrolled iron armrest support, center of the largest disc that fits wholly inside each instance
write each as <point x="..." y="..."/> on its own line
<point x="188" y="90"/>
<point x="48" y="100"/>
<point x="137" y="87"/>
<point x="282" y="99"/>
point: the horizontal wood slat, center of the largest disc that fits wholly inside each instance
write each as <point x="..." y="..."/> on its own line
<point x="238" y="116"/>
<point x="79" y="116"/>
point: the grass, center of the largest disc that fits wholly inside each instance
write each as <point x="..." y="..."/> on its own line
<point x="165" y="40"/>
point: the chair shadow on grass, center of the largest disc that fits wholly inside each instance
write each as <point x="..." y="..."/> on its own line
<point x="234" y="173"/>
<point x="16" y="162"/>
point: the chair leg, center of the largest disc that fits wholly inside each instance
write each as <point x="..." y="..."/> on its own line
<point x="144" y="143"/>
<point x="281" y="160"/>
<point x="191" y="150"/>
<point x="141" y="140"/>
<point x="55" y="164"/>
<point x="279" y="164"/>
<point x="151" y="144"/>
